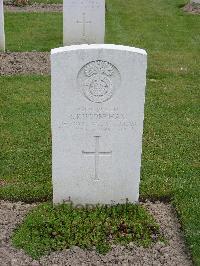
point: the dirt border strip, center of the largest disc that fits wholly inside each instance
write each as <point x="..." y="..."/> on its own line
<point x="172" y="253"/>
<point x="24" y="63"/>
<point x="35" y="8"/>
<point x="192" y="8"/>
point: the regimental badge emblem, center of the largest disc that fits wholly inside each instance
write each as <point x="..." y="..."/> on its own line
<point x="98" y="80"/>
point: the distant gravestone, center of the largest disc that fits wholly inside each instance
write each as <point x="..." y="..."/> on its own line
<point x="2" y="34"/>
<point x="98" y="94"/>
<point x="83" y="21"/>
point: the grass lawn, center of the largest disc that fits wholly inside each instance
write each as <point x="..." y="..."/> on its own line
<point x="33" y="31"/>
<point x="170" y="166"/>
<point x="25" y="131"/>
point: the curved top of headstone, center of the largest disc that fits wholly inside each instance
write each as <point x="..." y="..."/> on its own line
<point x="98" y="46"/>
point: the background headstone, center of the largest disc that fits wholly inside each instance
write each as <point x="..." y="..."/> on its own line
<point x="195" y="1"/>
<point x="2" y="34"/>
<point x="83" y="21"/>
<point x="98" y="94"/>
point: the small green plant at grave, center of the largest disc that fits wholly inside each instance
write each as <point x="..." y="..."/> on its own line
<point x="52" y="228"/>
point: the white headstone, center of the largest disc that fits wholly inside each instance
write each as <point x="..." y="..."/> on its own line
<point x="98" y="94"/>
<point x="195" y="1"/>
<point x="2" y="34"/>
<point x="83" y="21"/>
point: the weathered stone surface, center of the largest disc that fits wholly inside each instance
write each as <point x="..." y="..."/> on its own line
<point x="2" y="33"/>
<point x="98" y="96"/>
<point x="83" y="21"/>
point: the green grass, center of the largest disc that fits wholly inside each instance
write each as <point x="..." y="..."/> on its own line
<point x="25" y="154"/>
<point x="170" y="163"/>
<point x="170" y="147"/>
<point x="156" y="26"/>
<point x="33" y="31"/>
<point x="49" y="228"/>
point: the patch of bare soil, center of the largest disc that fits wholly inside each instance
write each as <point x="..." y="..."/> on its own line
<point x="2" y="183"/>
<point x="169" y="254"/>
<point x="9" y="7"/>
<point x="25" y="63"/>
<point x="192" y="8"/>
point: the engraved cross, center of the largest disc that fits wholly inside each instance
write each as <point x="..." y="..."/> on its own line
<point x="96" y="154"/>
<point x="84" y="22"/>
